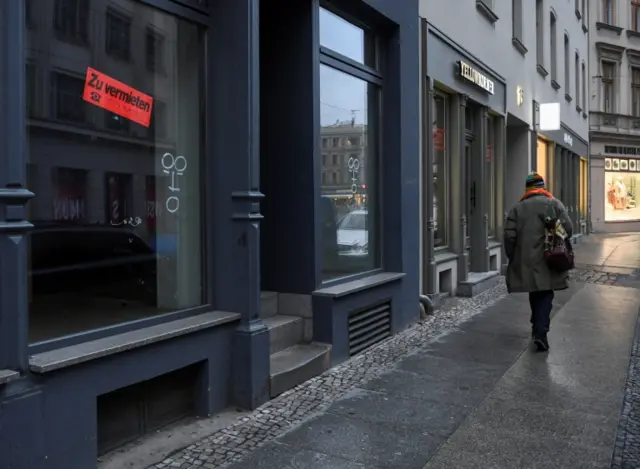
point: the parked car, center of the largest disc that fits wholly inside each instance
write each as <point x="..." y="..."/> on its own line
<point x="353" y="235"/>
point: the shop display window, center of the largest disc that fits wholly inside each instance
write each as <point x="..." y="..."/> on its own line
<point x="440" y="169"/>
<point x="114" y="159"/>
<point x="621" y="190"/>
<point x="349" y="202"/>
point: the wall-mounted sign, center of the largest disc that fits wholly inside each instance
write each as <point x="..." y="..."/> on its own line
<point x="474" y="76"/>
<point x="621" y="165"/>
<point x="549" y="116"/>
<point x="114" y="96"/>
<point x="568" y="139"/>
<point x="519" y="95"/>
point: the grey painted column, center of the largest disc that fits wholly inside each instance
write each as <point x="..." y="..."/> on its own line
<point x="479" y="217"/>
<point x="428" y="231"/>
<point x="456" y="182"/>
<point x="14" y="308"/>
<point x="236" y="193"/>
<point x="557" y="170"/>
<point x="500" y="153"/>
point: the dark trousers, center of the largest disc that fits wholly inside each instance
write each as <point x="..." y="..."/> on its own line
<point x="541" y="303"/>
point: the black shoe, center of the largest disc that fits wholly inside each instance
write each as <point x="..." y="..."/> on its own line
<point x="541" y="343"/>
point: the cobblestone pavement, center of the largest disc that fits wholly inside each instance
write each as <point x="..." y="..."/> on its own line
<point x="626" y="453"/>
<point x="607" y="275"/>
<point x="297" y="405"/>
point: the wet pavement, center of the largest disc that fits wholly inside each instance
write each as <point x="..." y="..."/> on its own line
<point x="467" y="390"/>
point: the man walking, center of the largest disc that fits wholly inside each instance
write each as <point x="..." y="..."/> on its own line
<point x="524" y="243"/>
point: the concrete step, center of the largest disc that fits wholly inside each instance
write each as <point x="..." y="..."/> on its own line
<point x="268" y="304"/>
<point x="284" y="331"/>
<point x="297" y="364"/>
<point x="478" y="282"/>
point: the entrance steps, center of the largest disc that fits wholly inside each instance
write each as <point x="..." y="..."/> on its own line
<point x="293" y="360"/>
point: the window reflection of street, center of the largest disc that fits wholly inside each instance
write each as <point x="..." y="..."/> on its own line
<point x="117" y="228"/>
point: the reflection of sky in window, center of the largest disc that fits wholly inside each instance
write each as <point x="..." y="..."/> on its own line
<point x="340" y="94"/>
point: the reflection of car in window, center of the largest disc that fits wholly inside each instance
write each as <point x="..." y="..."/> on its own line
<point x="92" y="261"/>
<point x="353" y="235"/>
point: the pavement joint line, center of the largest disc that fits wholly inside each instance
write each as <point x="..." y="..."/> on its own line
<point x="296" y="406"/>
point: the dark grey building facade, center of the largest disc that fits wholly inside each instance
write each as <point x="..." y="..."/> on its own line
<point x="188" y="191"/>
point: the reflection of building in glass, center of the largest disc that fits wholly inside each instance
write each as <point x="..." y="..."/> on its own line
<point x="68" y="135"/>
<point x="344" y="164"/>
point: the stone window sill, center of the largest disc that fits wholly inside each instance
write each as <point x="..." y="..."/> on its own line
<point x="542" y="71"/>
<point x="555" y="85"/>
<point x="68" y="356"/>
<point x="7" y="376"/>
<point x="584" y="115"/>
<point x="520" y="47"/>
<point x="486" y="11"/>
<point x="568" y="97"/>
<point x="609" y="27"/>
<point x="584" y="28"/>
<point x="578" y="108"/>
<point x="578" y="14"/>
<point x="631" y="33"/>
<point x="361" y="284"/>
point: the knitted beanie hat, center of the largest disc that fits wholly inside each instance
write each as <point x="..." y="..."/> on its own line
<point x="534" y="181"/>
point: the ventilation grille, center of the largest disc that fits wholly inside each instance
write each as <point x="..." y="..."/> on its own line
<point x="368" y="327"/>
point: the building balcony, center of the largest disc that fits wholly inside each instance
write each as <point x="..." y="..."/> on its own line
<point x="614" y="123"/>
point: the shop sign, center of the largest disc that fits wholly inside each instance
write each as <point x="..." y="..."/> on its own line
<point x="549" y="116"/>
<point x="519" y="95"/>
<point x="116" y="97"/>
<point x="474" y="76"/>
<point x="568" y="139"/>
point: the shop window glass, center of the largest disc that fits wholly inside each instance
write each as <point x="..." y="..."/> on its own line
<point x="350" y="228"/>
<point x="621" y="189"/>
<point x="440" y="147"/>
<point x="490" y="176"/>
<point x="117" y="219"/>
<point x="70" y="19"/>
<point x="346" y="38"/>
<point x="541" y="160"/>
<point x="583" y="187"/>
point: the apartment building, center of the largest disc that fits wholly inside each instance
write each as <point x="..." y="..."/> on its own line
<point x="614" y="103"/>
<point x="505" y="92"/>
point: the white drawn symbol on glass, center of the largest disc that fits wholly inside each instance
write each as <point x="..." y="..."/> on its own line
<point x="131" y="221"/>
<point x="354" y="167"/>
<point x="174" y="166"/>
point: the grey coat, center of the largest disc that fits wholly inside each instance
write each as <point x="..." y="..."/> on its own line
<point x="524" y="246"/>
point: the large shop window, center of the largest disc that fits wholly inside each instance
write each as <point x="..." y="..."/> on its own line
<point x="349" y="109"/>
<point x="440" y="136"/>
<point x="115" y="161"/>
<point x="621" y="189"/>
<point x="584" y="181"/>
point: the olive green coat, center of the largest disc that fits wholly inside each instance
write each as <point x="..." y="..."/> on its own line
<point x="524" y="245"/>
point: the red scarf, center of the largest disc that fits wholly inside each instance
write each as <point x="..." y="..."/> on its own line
<point x="532" y="192"/>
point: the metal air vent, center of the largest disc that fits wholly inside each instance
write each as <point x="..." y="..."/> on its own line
<point x="368" y="327"/>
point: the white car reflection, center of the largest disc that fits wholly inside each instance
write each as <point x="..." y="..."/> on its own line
<point x="353" y="236"/>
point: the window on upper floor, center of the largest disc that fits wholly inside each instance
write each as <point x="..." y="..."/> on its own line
<point x="635" y="16"/>
<point x="567" y="67"/>
<point x="584" y="87"/>
<point x="635" y="92"/>
<point x="577" y="79"/>
<point x="585" y="12"/>
<point x="118" y="42"/>
<point x="516" y="11"/>
<point x="71" y="20"/>
<point x="608" y="84"/>
<point x="607" y="11"/>
<point x="539" y="32"/>
<point x="553" y="47"/>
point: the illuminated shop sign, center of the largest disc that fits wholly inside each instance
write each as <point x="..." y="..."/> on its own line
<point x="471" y="74"/>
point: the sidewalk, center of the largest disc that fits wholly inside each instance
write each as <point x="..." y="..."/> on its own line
<point x="481" y="398"/>
<point x="470" y="394"/>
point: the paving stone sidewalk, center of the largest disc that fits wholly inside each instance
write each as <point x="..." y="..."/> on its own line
<point x="274" y="418"/>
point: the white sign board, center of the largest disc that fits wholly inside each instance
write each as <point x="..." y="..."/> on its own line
<point x="549" y="116"/>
